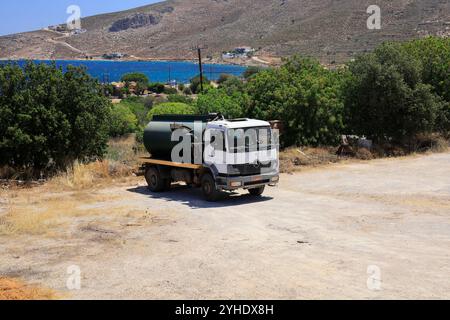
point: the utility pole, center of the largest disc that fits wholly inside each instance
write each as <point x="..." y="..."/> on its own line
<point x="200" y="65"/>
<point x="201" y="68"/>
<point x="170" y="75"/>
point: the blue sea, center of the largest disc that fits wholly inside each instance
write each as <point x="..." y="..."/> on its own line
<point x="157" y="71"/>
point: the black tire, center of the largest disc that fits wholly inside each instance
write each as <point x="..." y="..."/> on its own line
<point x="154" y="180"/>
<point x="209" y="189"/>
<point x="257" y="192"/>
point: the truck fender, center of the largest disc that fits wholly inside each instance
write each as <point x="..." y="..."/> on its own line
<point x="212" y="170"/>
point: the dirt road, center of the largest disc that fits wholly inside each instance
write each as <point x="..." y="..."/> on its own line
<point x="372" y="230"/>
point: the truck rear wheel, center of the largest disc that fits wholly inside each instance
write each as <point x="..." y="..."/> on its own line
<point x="154" y="180"/>
<point x="257" y="192"/>
<point x="210" y="191"/>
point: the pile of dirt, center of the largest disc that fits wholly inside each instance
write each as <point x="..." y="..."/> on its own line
<point x="13" y="289"/>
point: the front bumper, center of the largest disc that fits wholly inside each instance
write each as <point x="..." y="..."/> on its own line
<point x="248" y="182"/>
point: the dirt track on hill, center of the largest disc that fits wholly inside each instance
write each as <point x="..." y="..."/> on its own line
<point x="323" y="233"/>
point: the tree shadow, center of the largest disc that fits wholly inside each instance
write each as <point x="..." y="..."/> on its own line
<point x="193" y="197"/>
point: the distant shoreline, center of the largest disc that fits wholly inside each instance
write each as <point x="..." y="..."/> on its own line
<point x="210" y="62"/>
<point x="109" y="71"/>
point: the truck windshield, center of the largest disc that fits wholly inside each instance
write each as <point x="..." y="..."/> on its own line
<point x="249" y="139"/>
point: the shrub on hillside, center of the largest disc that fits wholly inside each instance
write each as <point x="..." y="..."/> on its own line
<point x="386" y="98"/>
<point x="195" y="84"/>
<point x="49" y="118"/>
<point x="187" y="91"/>
<point x="180" y="98"/>
<point x="223" y="77"/>
<point x="305" y="96"/>
<point x="138" y="106"/>
<point x="123" y="121"/>
<point x="251" y="71"/>
<point x="232" y="84"/>
<point x="156" y="87"/>
<point x="219" y="101"/>
<point x="171" y="91"/>
<point x="171" y="108"/>
<point x="136" y="77"/>
<point x="140" y="79"/>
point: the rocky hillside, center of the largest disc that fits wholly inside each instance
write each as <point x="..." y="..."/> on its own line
<point x="332" y="30"/>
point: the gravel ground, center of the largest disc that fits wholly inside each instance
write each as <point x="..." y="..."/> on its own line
<point x="372" y="230"/>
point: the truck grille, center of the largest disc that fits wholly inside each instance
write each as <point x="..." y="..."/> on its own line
<point x="248" y="169"/>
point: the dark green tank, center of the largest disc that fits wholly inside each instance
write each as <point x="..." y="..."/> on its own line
<point x="158" y="133"/>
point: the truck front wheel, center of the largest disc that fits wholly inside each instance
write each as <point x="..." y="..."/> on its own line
<point x="154" y="180"/>
<point x="257" y="192"/>
<point x="210" y="191"/>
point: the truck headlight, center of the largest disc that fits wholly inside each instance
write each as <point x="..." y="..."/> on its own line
<point x="236" y="184"/>
<point x="275" y="179"/>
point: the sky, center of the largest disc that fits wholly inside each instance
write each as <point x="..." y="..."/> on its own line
<point x="27" y="15"/>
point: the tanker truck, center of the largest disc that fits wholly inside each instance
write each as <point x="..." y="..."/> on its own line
<point x="211" y="153"/>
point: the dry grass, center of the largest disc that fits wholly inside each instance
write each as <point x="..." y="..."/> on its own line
<point x="34" y="217"/>
<point x="14" y="289"/>
<point x="430" y="142"/>
<point x="43" y="209"/>
<point x="121" y="162"/>
<point x="37" y="211"/>
<point x="95" y="174"/>
<point x="293" y="159"/>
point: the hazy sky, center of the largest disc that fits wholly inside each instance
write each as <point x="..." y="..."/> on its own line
<point x="26" y="15"/>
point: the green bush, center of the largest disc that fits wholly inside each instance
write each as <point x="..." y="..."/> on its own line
<point x="136" y="77"/>
<point x="386" y="98"/>
<point x="171" y="91"/>
<point x="232" y="84"/>
<point x="156" y="87"/>
<point x="224" y="77"/>
<point x="49" y="118"/>
<point x="219" y="101"/>
<point x="171" y="108"/>
<point x="180" y="98"/>
<point x="195" y="84"/>
<point x="123" y="121"/>
<point x="434" y="55"/>
<point x="305" y="96"/>
<point x="251" y="71"/>
<point x="108" y="90"/>
<point x="187" y="91"/>
<point x="149" y="102"/>
<point x="139" y="107"/>
<point x="140" y="79"/>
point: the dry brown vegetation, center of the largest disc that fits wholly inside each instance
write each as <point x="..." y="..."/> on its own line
<point x="42" y="211"/>
<point x="120" y="163"/>
<point x="14" y="289"/>
<point x="293" y="159"/>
